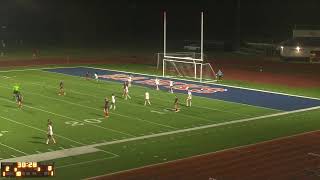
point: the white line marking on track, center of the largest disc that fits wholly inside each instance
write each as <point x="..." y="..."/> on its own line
<point x="13" y="156"/>
<point x="314" y="154"/>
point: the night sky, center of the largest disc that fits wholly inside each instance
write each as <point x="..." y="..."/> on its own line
<point x="124" y="20"/>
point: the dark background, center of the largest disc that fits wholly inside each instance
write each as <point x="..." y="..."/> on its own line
<point x="97" y="22"/>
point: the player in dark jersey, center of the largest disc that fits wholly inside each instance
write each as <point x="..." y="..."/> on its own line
<point x="61" y="89"/>
<point x="106" y="108"/>
<point x="125" y="85"/>
<point x="176" y="104"/>
<point x="19" y="100"/>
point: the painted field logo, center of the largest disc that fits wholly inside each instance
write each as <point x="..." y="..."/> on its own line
<point x="182" y="86"/>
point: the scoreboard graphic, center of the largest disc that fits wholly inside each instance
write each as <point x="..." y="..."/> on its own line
<point x="27" y="169"/>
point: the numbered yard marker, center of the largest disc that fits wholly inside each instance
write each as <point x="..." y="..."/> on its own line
<point x="74" y="123"/>
<point x="93" y="121"/>
<point x="81" y="123"/>
<point x="3" y="132"/>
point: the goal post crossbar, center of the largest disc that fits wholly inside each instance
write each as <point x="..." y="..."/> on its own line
<point x="183" y="58"/>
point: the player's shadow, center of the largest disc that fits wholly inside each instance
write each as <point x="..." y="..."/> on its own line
<point x="37" y="140"/>
<point x="97" y="115"/>
<point x="10" y="106"/>
<point x="36" y="137"/>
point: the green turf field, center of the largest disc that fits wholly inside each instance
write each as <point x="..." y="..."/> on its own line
<point x="135" y="135"/>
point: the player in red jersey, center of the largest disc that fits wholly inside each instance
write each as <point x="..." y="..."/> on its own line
<point x="61" y="89"/>
<point x="106" y="108"/>
<point x="176" y="104"/>
<point x="19" y="100"/>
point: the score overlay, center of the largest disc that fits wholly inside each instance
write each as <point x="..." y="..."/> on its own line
<point x="27" y="169"/>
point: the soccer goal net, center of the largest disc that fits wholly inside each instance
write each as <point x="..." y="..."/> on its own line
<point x="187" y="68"/>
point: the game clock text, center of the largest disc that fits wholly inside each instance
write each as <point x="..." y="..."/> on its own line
<point x="27" y="169"/>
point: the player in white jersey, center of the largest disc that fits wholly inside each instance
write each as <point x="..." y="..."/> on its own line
<point x="50" y="133"/>
<point x="96" y="77"/>
<point x="129" y="80"/>
<point x="113" y="102"/>
<point x="147" y="98"/>
<point x="157" y="82"/>
<point x="189" y="99"/>
<point x="171" y="86"/>
<point x="126" y="93"/>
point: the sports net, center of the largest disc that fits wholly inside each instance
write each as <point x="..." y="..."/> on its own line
<point x="188" y="70"/>
<point x="160" y="56"/>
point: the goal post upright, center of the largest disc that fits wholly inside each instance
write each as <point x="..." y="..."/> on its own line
<point x="197" y="62"/>
<point x="201" y="35"/>
<point x="164" y="40"/>
<point x="195" y="70"/>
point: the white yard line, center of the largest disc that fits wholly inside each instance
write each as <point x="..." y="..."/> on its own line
<point x="17" y="150"/>
<point x="19" y="70"/>
<point x="86" y="162"/>
<point x="94" y="146"/>
<point x="55" y="154"/>
<point x="203" y="127"/>
<point x="213" y="109"/>
<point x="56" y="114"/>
<point x="139" y="119"/>
<point x="129" y="72"/>
<point x="238" y="87"/>
<point x="179" y="93"/>
<point x="11" y="120"/>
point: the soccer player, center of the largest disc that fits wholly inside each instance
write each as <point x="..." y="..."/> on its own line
<point x="147" y="98"/>
<point x="50" y="133"/>
<point x="171" y="86"/>
<point x="96" y="77"/>
<point x="125" y="84"/>
<point x="129" y="80"/>
<point x="176" y="104"/>
<point x="61" y="89"/>
<point x="189" y="99"/>
<point x="157" y="82"/>
<point x="126" y="93"/>
<point x="113" y="102"/>
<point x="19" y="100"/>
<point x="16" y="91"/>
<point x="106" y="108"/>
<point x="87" y="75"/>
<point x="219" y="75"/>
